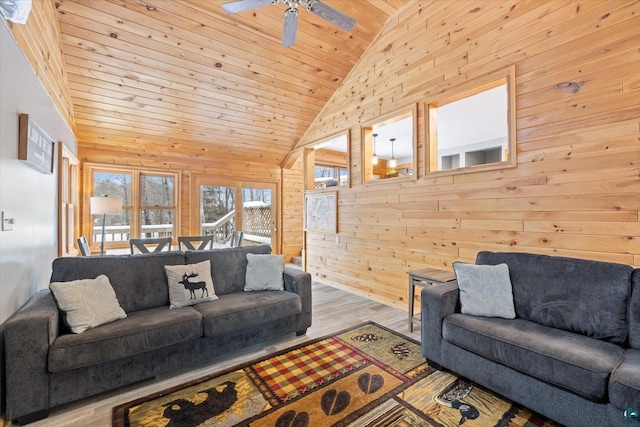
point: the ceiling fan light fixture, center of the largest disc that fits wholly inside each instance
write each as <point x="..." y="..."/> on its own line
<point x="316" y="7"/>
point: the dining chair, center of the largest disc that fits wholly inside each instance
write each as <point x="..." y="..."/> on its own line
<point x="143" y="245"/>
<point x="83" y="245"/>
<point x="190" y="242"/>
<point x="236" y="239"/>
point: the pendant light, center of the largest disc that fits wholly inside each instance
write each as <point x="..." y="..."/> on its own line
<point x="374" y="160"/>
<point x="393" y="162"/>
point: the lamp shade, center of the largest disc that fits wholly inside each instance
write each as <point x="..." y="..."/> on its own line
<point x="105" y="205"/>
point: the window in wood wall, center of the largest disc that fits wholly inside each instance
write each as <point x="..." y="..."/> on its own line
<point x="327" y="163"/>
<point x="389" y="146"/>
<point x="149" y="204"/>
<point x="473" y="129"/>
<point x="68" y="195"/>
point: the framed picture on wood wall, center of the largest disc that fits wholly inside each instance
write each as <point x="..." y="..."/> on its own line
<point x="321" y="212"/>
<point x="35" y="146"/>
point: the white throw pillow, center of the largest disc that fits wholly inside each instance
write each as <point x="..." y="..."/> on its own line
<point x="485" y="290"/>
<point x="190" y="284"/>
<point x="87" y="303"/>
<point x="264" y="273"/>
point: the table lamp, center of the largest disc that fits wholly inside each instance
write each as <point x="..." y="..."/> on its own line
<point x="103" y="205"/>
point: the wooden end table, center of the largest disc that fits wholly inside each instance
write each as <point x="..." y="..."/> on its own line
<point x="425" y="277"/>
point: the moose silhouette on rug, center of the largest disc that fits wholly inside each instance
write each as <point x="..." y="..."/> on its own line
<point x="184" y="413"/>
<point x="193" y="286"/>
<point x="452" y="397"/>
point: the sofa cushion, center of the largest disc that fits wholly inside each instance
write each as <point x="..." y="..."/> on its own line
<point x="190" y="284"/>
<point x="87" y="303"/>
<point x="228" y="265"/>
<point x="568" y="360"/>
<point x="624" y="386"/>
<point x="141" y="331"/>
<point x="139" y="281"/>
<point x="577" y="295"/>
<point x="264" y="273"/>
<point x="245" y="309"/>
<point x="485" y="290"/>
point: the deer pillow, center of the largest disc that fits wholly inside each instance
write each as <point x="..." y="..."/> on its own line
<point x="190" y="284"/>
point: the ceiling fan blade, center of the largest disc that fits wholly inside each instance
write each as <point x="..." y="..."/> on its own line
<point x="290" y="27"/>
<point x="242" y="5"/>
<point x="332" y="15"/>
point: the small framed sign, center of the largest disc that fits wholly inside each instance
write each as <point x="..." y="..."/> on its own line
<point x="35" y="146"/>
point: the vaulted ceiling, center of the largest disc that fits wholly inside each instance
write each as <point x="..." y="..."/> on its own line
<point x="163" y="74"/>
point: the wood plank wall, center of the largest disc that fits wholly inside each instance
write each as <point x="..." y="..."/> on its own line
<point x="292" y="215"/>
<point x="576" y="189"/>
<point x="39" y="40"/>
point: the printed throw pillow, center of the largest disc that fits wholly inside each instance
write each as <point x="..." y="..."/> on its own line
<point x="264" y="273"/>
<point x="87" y="303"/>
<point x="190" y="284"/>
<point x="485" y="290"/>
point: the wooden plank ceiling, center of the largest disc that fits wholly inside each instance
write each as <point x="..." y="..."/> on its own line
<point x="185" y="76"/>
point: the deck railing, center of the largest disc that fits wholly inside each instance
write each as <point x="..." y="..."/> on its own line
<point x="257" y="223"/>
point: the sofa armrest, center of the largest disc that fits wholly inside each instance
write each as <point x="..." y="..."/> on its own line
<point x="436" y="303"/>
<point x="299" y="281"/>
<point x="28" y="334"/>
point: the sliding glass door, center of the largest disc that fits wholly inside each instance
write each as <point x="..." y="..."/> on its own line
<point x="224" y="206"/>
<point x="257" y="214"/>
<point x="217" y="211"/>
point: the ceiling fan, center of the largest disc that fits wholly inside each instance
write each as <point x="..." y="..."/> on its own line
<point x="291" y="14"/>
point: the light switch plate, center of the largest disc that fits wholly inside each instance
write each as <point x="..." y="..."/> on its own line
<point x="7" y="222"/>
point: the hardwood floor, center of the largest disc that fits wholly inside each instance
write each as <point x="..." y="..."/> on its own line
<point x="333" y="310"/>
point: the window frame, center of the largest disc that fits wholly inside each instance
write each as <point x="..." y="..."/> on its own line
<point x="310" y="162"/>
<point x="68" y="201"/>
<point x="135" y="205"/>
<point x="366" y="134"/>
<point x="475" y="86"/>
<point x="198" y="180"/>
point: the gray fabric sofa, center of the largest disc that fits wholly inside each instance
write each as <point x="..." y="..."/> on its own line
<point x="48" y="366"/>
<point x="573" y="351"/>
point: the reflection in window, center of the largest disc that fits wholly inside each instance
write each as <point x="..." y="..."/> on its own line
<point x="330" y="162"/>
<point x="389" y="149"/>
<point x="472" y="128"/>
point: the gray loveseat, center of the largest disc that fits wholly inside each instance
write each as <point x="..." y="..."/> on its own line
<point x="48" y="366"/>
<point x="573" y="351"/>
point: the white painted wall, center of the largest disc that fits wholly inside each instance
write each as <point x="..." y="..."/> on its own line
<point x="29" y="196"/>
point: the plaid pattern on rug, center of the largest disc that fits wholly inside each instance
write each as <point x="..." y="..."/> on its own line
<point x="365" y="376"/>
<point x="298" y="371"/>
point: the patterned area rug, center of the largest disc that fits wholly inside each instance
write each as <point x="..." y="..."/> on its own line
<point x="366" y="376"/>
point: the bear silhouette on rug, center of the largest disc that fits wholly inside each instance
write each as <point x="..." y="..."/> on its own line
<point x="188" y="414"/>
